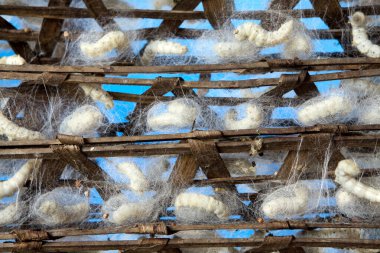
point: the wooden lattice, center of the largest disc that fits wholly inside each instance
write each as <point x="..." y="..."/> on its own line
<point x="297" y="75"/>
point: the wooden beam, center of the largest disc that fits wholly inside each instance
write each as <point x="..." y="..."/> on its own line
<point x="218" y="12"/>
<point x="172" y="26"/>
<point x="99" y="12"/>
<point x="50" y="31"/>
<point x="22" y="48"/>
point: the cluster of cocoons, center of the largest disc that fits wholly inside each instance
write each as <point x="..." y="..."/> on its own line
<point x="161" y="47"/>
<point x="110" y="41"/>
<point x="138" y="181"/>
<point x="325" y="109"/>
<point x="360" y="38"/>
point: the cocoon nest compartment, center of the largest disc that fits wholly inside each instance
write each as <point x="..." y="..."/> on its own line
<point x="195" y="207"/>
<point x="173" y="115"/>
<point x="61" y="206"/>
<point x="84" y="120"/>
<point x="119" y="210"/>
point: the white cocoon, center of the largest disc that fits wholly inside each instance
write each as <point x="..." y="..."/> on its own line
<point x="253" y="118"/>
<point x="17" y="181"/>
<point x="110" y="41"/>
<point x="204" y="202"/>
<point x="286" y="202"/>
<point x="60" y="207"/>
<point x="180" y="113"/>
<point x="15" y="132"/>
<point x="11" y="213"/>
<point x="345" y="174"/>
<point x="360" y="38"/>
<point x="138" y="182"/>
<point x="12" y="60"/>
<point x="96" y="93"/>
<point x="261" y="37"/>
<point x="319" y="110"/>
<point x="161" y="47"/>
<point x="234" y="49"/>
<point x="85" y="120"/>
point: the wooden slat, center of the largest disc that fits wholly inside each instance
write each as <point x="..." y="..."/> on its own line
<point x="50" y="30"/>
<point x="172" y="26"/>
<point x="274" y="6"/>
<point x="21" y="48"/>
<point x="333" y="15"/>
<point x="99" y="12"/>
<point x="218" y="12"/>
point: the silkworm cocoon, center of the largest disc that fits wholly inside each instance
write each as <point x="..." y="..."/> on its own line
<point x="254" y="116"/>
<point x="328" y="109"/>
<point x="12" y="60"/>
<point x="162" y="47"/>
<point x="17" y="181"/>
<point x="369" y="112"/>
<point x="360" y="87"/>
<point x="180" y="113"/>
<point x="286" y="202"/>
<point x="355" y="207"/>
<point x="360" y="38"/>
<point x="15" y="132"/>
<point x="96" y="93"/>
<point x="11" y="213"/>
<point x="261" y="37"/>
<point x="138" y="182"/>
<point x="159" y="4"/>
<point x="85" y="120"/>
<point x="110" y="41"/>
<point x="239" y="165"/>
<point x="345" y="174"/>
<point x="60" y="207"/>
<point x="59" y="215"/>
<point x="299" y="46"/>
<point x="120" y="211"/>
<point x="235" y="49"/>
<point x="205" y="203"/>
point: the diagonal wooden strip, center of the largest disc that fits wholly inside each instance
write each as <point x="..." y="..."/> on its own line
<point x="218" y="12"/>
<point x="172" y="26"/>
<point x="50" y="31"/>
<point x="160" y="87"/>
<point x="208" y="158"/>
<point x="100" y="12"/>
<point x="184" y="171"/>
<point x="20" y="47"/>
<point x="72" y="154"/>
